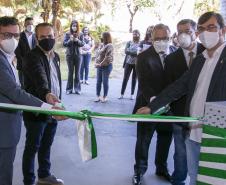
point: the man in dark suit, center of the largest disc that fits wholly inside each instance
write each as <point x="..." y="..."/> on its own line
<point x="11" y="92"/>
<point x="176" y="64"/>
<point x="203" y="82"/>
<point x="150" y="72"/>
<point x="43" y="64"/>
<point x="26" y="43"/>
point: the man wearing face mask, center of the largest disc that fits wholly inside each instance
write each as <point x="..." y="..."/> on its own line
<point x="41" y="76"/>
<point x="176" y="64"/>
<point x="26" y="43"/>
<point x="73" y="42"/>
<point x="150" y="73"/>
<point x="203" y="82"/>
<point x="11" y="92"/>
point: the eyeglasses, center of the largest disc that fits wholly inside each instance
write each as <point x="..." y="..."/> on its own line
<point x="8" y="35"/>
<point x="210" y="28"/>
<point x="164" y="38"/>
<point x="189" y="32"/>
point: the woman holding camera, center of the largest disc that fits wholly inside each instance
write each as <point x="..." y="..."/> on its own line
<point x="73" y="42"/>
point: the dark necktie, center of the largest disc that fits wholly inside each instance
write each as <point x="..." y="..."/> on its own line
<point x="191" y="55"/>
<point x="163" y="59"/>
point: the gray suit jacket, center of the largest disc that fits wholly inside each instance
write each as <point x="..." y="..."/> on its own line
<point x="10" y="92"/>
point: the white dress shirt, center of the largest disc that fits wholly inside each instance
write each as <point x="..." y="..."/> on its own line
<point x="55" y="87"/>
<point x="29" y="39"/>
<point x="186" y="53"/>
<point x="201" y="90"/>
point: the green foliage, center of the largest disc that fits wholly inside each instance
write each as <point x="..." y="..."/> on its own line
<point x="96" y="34"/>
<point x="144" y="3"/>
<point x="202" y="6"/>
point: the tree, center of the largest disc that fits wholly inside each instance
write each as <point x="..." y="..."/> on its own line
<point x="133" y="7"/>
<point x="202" y="6"/>
<point x="19" y="6"/>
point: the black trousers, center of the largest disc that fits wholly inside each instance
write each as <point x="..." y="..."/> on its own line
<point x="74" y="65"/>
<point x="145" y="133"/>
<point x="39" y="139"/>
<point x="127" y="71"/>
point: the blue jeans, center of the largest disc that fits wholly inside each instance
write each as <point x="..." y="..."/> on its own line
<point x="103" y="74"/>
<point x="39" y="138"/>
<point x="180" y="159"/>
<point x="193" y="153"/>
<point x="85" y="60"/>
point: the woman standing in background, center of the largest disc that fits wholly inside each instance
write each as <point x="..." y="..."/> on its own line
<point x="86" y="51"/>
<point x="103" y="63"/>
<point x="146" y="43"/>
<point x="73" y="42"/>
<point x="129" y="63"/>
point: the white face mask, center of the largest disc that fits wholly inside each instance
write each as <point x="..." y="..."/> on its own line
<point x="209" y="39"/>
<point x="74" y="28"/>
<point x="161" y="46"/>
<point x="30" y="28"/>
<point x="184" y="40"/>
<point x="9" y="45"/>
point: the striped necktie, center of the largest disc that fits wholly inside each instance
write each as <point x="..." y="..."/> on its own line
<point x="191" y="55"/>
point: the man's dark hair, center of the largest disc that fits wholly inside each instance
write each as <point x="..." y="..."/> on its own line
<point x="188" y="21"/>
<point x="44" y="24"/>
<point x="206" y="16"/>
<point x="7" y="21"/>
<point x="28" y="19"/>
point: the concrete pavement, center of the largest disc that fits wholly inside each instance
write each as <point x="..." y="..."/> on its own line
<point x="115" y="139"/>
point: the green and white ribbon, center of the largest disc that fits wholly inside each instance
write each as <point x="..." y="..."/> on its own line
<point x="212" y="163"/>
<point x="86" y="133"/>
<point x="212" y="166"/>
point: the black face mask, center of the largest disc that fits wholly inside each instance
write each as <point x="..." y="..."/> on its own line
<point x="46" y="44"/>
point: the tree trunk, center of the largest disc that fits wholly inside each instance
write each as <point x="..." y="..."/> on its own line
<point x="132" y="14"/>
<point x="131" y="23"/>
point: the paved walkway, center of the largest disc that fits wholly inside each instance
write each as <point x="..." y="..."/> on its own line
<point x="116" y="143"/>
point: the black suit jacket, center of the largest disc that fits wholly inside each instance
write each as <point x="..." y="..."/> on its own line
<point x="150" y="75"/>
<point x="175" y="66"/>
<point x="187" y="83"/>
<point x="23" y="48"/>
<point x="37" y="79"/>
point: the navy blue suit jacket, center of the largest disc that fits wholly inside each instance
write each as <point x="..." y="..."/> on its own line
<point x="11" y="92"/>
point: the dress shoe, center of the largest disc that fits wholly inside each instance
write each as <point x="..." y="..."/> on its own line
<point x="137" y="179"/>
<point x="165" y="175"/>
<point x="77" y="92"/>
<point x="104" y="100"/>
<point x="50" y="180"/>
<point x="121" y="97"/>
<point x="98" y="99"/>
<point x="69" y="92"/>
